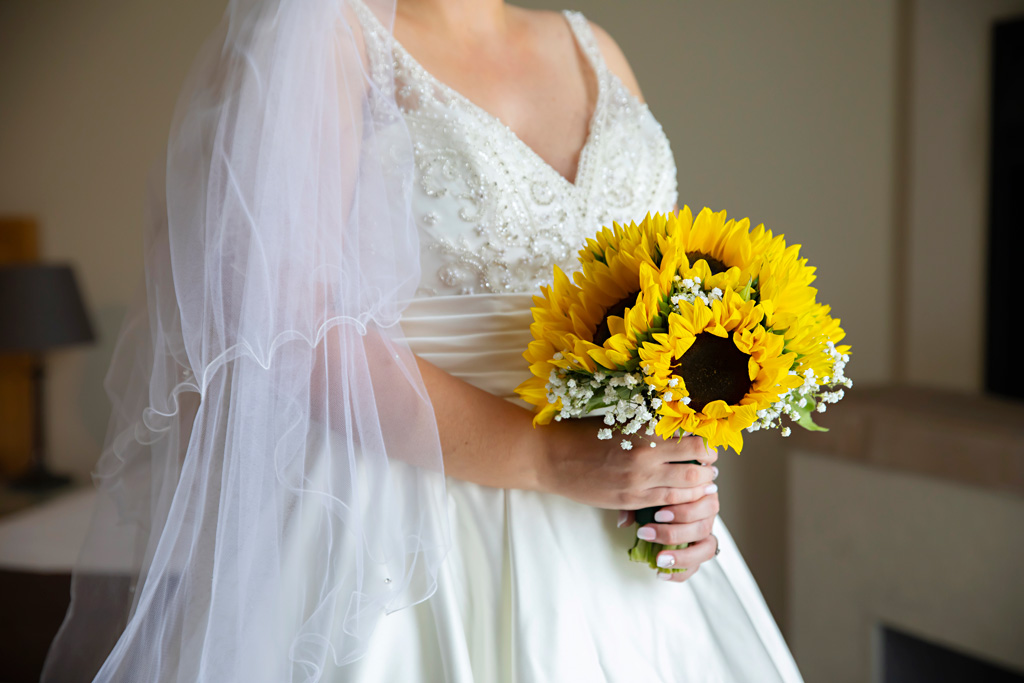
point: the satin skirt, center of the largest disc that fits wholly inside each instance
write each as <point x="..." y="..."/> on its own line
<point x="537" y="587"/>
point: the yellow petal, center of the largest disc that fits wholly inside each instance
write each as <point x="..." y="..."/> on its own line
<point x="717" y="410"/>
<point x="752" y="369"/>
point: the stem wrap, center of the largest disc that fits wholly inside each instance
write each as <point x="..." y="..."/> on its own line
<point x="647" y="551"/>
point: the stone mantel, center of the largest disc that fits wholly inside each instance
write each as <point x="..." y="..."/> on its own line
<point x="906" y="515"/>
<point x="965" y="438"/>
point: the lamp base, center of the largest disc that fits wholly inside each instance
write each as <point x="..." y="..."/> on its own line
<point x="40" y="479"/>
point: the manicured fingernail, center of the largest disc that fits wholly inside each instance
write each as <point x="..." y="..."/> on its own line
<point x="623" y="516"/>
<point x="665" y="560"/>
<point x="665" y="576"/>
<point x="645" y="533"/>
<point x="715" y="470"/>
<point x="663" y="516"/>
<point x="711" y="488"/>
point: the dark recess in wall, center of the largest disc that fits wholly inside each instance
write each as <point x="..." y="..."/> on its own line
<point x="1004" y="361"/>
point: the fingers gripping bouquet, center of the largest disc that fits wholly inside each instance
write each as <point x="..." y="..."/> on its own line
<point x="681" y="326"/>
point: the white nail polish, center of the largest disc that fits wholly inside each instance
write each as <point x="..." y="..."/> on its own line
<point x="623" y="516"/>
<point x="664" y="576"/>
<point x="663" y="516"/>
<point x="645" y="534"/>
<point x="715" y="470"/>
<point x="665" y="560"/>
<point x="711" y="489"/>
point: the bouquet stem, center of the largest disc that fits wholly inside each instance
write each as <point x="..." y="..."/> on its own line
<point x="647" y="551"/>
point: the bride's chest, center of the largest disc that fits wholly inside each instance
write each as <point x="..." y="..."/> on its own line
<point x="495" y="217"/>
<point x="492" y="215"/>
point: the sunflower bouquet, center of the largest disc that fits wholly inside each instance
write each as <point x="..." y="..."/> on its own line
<point x="685" y="326"/>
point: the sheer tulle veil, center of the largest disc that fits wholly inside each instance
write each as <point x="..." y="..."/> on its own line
<point x="271" y="484"/>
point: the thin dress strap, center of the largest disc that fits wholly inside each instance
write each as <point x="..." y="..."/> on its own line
<point x="587" y="42"/>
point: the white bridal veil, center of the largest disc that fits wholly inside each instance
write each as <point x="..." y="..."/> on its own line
<point x="272" y="483"/>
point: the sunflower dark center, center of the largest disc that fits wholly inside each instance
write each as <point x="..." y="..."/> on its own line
<point x="714" y="264"/>
<point x="602" y="333"/>
<point x="713" y="370"/>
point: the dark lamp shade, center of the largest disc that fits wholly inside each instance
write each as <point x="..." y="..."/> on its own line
<point x="41" y="308"/>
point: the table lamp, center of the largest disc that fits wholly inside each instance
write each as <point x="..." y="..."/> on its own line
<point x="40" y="309"/>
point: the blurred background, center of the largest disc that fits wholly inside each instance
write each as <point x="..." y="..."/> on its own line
<point x="867" y="131"/>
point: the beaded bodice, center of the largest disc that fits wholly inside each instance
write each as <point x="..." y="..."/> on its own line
<point x="493" y="216"/>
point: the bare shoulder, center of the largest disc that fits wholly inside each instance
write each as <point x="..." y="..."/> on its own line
<point x="547" y="24"/>
<point x="541" y="24"/>
<point x="615" y="60"/>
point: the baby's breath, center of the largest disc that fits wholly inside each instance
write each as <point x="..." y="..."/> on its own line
<point x="690" y="290"/>
<point x="622" y="397"/>
<point x="811" y="396"/>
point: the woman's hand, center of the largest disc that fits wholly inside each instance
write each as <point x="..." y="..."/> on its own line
<point x="578" y="465"/>
<point x="680" y="524"/>
<point x="690" y="558"/>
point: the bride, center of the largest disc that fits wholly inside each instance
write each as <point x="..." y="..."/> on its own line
<point x="316" y="469"/>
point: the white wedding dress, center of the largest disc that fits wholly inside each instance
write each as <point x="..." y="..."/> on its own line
<point x="537" y="587"/>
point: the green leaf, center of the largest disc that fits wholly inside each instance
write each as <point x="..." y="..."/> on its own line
<point x="806" y="419"/>
<point x="631" y="366"/>
<point x="745" y="292"/>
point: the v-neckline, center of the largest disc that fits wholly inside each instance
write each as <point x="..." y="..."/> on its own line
<point x="582" y="165"/>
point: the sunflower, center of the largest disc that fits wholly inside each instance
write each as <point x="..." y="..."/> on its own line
<point x="784" y="279"/>
<point x="597" y="320"/>
<point x="570" y="319"/>
<point x="621" y="266"/>
<point x="809" y="337"/>
<point x="617" y="297"/>
<point x="719" y="243"/>
<point x="720" y="253"/>
<point x="632" y="238"/>
<point x="715" y="368"/>
<point x="617" y="265"/>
